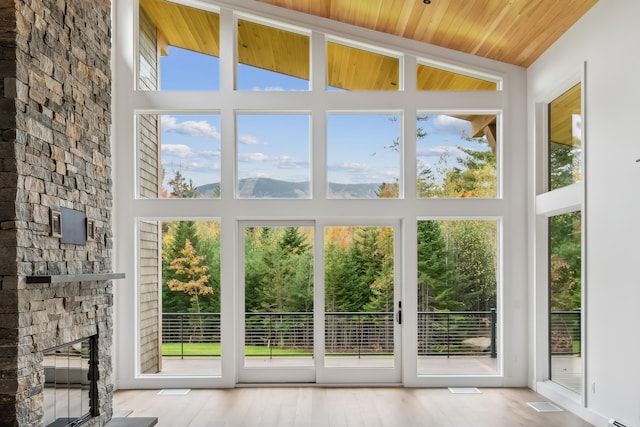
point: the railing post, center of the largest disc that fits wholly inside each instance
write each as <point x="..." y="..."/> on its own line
<point x="361" y="333"/>
<point x="494" y="353"/>
<point x="270" y="335"/>
<point x="448" y="336"/>
<point x="182" y="337"/>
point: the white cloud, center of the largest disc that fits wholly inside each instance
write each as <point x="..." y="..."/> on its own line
<point x="450" y="124"/>
<point x="349" y="167"/>
<point x="355" y="173"/>
<point x="287" y="162"/>
<point x="189" y="127"/>
<point x="178" y="150"/>
<point x="253" y="157"/>
<point x="210" y="154"/>
<point x="268" y="88"/>
<point x="438" y="151"/>
<point x="250" y="140"/>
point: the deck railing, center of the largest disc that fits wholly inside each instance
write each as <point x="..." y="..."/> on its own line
<point x="565" y="333"/>
<point x="457" y="333"/>
<point x="460" y="333"/>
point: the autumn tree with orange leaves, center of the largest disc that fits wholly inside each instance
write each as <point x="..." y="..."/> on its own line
<point x="190" y="275"/>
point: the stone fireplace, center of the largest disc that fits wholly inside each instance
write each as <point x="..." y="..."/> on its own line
<point x="55" y="98"/>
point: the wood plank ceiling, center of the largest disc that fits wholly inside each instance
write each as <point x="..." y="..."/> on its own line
<point x="512" y="31"/>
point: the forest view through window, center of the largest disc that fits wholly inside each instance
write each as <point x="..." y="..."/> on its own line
<point x="457" y="296"/>
<point x="565" y="300"/>
<point x="273" y="210"/>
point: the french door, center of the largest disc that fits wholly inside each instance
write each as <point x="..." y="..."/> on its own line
<point x="318" y="302"/>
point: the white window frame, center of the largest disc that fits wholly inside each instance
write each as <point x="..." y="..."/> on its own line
<point x="547" y="204"/>
<point x="510" y="210"/>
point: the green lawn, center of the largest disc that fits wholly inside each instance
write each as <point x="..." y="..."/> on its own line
<point x="210" y="349"/>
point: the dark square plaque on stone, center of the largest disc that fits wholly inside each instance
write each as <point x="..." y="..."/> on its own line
<point x="74" y="227"/>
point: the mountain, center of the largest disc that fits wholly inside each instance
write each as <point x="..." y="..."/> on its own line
<point x="263" y="188"/>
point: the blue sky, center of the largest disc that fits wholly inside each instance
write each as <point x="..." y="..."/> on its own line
<point x="358" y="145"/>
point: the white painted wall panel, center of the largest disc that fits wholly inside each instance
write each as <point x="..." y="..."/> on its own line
<point x="607" y="39"/>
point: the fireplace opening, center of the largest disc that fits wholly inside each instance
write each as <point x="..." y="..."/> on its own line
<point x="70" y="388"/>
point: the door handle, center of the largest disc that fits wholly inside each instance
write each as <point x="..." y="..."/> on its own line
<point x="399" y="313"/>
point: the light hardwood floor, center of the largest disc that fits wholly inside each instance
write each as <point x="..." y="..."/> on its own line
<point x="344" y="407"/>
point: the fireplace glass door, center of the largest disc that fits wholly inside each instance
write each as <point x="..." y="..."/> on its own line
<point x="67" y="391"/>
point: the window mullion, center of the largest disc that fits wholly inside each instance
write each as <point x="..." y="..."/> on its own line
<point x="228" y="31"/>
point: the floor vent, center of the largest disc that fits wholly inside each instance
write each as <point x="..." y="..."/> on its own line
<point x="616" y="423"/>
<point x="174" y="392"/>
<point x="545" y="407"/>
<point x="464" y="390"/>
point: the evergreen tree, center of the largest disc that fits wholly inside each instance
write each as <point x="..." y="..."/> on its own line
<point x="475" y="176"/>
<point x="182" y="189"/>
<point x="339" y="270"/>
<point x="209" y="247"/>
<point x="472" y="246"/>
<point x="426" y="185"/>
<point x="435" y="270"/>
<point x="564" y="166"/>
<point x="278" y="270"/>
<point x="566" y="256"/>
<point x="293" y="241"/>
<point x="382" y="288"/>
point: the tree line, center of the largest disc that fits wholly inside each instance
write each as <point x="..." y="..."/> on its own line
<point x="456" y="267"/>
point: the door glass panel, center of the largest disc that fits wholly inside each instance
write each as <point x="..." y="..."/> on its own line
<point x="565" y="300"/>
<point x="179" y="296"/>
<point x="359" y="297"/>
<point x="565" y="139"/>
<point x="278" y="297"/>
<point x="457" y="318"/>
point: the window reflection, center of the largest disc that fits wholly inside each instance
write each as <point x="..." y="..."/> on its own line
<point x="565" y="301"/>
<point x="432" y="78"/>
<point x="565" y="139"/>
<point x="67" y="388"/>
<point x="171" y="58"/>
<point x="271" y="59"/>
<point x="349" y="68"/>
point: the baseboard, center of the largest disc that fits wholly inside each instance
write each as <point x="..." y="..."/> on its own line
<point x="570" y="402"/>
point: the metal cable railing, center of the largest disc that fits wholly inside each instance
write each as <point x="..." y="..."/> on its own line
<point x="457" y="333"/>
<point x="359" y="334"/>
<point x="565" y="333"/>
<point x="460" y="333"/>
<point x="265" y="332"/>
<point x="190" y="328"/>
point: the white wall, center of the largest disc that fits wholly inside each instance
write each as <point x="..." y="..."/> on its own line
<point x="606" y="38"/>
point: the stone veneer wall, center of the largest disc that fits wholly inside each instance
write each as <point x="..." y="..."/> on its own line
<point x="55" y="88"/>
